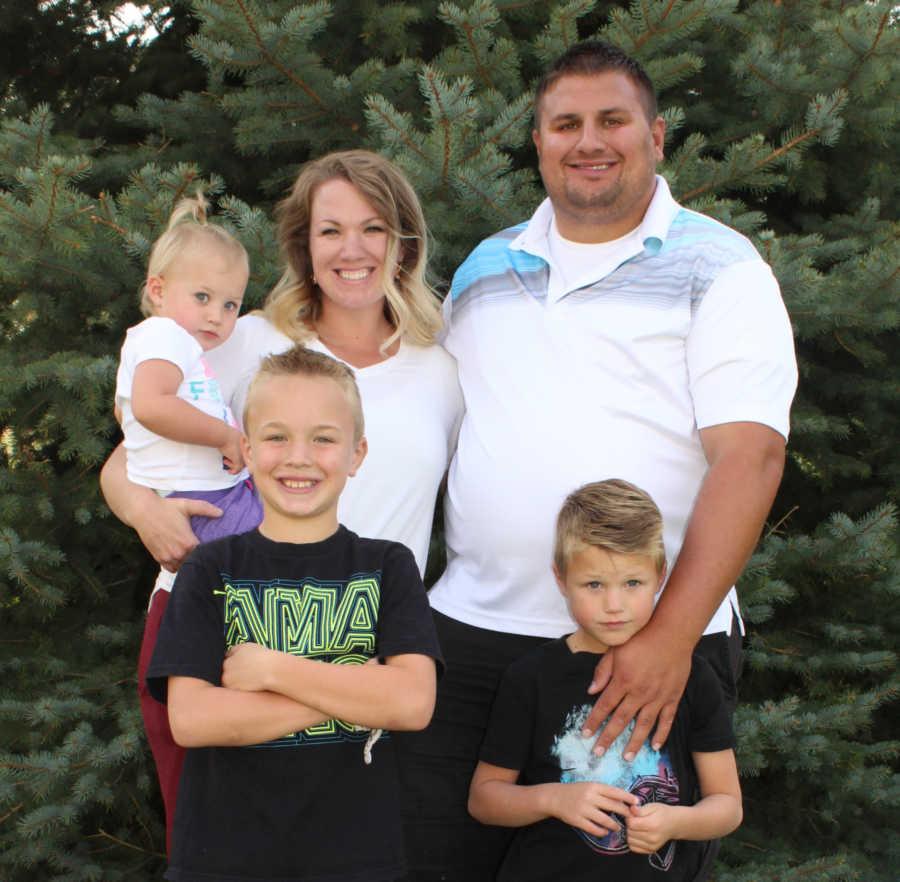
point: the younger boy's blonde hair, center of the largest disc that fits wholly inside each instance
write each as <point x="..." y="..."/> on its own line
<point x="613" y="515"/>
<point x="298" y="361"/>
<point x="188" y="224"/>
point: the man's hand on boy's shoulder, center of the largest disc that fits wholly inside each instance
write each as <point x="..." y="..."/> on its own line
<point x="642" y="680"/>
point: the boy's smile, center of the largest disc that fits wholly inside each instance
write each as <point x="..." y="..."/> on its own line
<point x="610" y="596"/>
<point x="300" y="447"/>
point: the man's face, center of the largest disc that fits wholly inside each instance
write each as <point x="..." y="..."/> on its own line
<point x="597" y="155"/>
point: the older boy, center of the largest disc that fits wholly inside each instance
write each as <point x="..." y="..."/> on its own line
<point x="589" y="817"/>
<point x="274" y="783"/>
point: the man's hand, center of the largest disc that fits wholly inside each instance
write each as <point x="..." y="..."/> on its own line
<point x="165" y="531"/>
<point x="643" y="679"/>
<point x="246" y="667"/>
<point x="588" y="806"/>
<point x="650" y="827"/>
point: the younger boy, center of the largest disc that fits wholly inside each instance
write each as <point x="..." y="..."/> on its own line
<point x="583" y="816"/>
<point x="274" y="785"/>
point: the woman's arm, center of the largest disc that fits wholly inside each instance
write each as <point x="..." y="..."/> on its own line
<point x="163" y="525"/>
<point x="496" y="798"/>
<point x="718" y="812"/>
<point x="203" y="715"/>
<point x="397" y="695"/>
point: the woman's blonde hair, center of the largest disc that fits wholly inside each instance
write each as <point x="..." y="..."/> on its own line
<point x="411" y="306"/>
<point x="188" y="223"/>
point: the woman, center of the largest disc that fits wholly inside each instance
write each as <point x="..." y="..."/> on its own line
<point x="353" y="238"/>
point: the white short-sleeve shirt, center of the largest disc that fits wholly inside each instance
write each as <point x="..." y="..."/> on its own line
<point x="683" y="329"/>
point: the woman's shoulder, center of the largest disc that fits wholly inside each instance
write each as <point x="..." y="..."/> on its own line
<point x="433" y="357"/>
<point x="254" y="337"/>
<point x="256" y="330"/>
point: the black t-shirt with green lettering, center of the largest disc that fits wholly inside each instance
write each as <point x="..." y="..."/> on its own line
<point x="305" y="806"/>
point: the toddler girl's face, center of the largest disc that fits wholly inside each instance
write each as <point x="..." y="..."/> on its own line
<point x="202" y="291"/>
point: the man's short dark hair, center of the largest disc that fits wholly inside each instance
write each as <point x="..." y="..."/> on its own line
<point x="593" y="57"/>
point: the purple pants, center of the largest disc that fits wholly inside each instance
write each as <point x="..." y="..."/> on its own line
<point x="241" y="511"/>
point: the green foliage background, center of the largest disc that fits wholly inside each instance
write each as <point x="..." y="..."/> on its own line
<point x="782" y="121"/>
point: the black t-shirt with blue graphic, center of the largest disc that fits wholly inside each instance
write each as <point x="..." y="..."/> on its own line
<point x="305" y="806"/>
<point x="535" y="728"/>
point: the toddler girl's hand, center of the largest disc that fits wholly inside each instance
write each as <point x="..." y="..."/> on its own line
<point x="231" y="451"/>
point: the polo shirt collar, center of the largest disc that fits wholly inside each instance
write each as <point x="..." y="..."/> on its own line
<point x="653" y="228"/>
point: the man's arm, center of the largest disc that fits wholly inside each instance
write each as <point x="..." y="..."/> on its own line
<point x="203" y="715"/>
<point x="163" y="525"/>
<point x="644" y="678"/>
<point x="495" y="797"/>
<point x="397" y="695"/>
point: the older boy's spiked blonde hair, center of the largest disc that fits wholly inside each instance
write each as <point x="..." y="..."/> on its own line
<point x="298" y="361"/>
<point x="613" y="515"/>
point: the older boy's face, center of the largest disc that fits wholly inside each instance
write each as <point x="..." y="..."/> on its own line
<point x="300" y="447"/>
<point x="610" y="595"/>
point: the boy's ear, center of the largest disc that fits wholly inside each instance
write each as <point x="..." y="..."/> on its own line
<point x="246" y="452"/>
<point x="359" y="454"/>
<point x="154" y="289"/>
<point x="560" y="579"/>
<point x="662" y="574"/>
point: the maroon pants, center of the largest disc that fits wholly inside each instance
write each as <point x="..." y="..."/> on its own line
<point x="167" y="755"/>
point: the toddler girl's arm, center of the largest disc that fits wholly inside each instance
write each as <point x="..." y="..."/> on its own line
<point x="163" y="525"/>
<point x="718" y="812"/>
<point x="397" y="695"/>
<point x="496" y="798"/>
<point x="156" y="405"/>
<point x="203" y="715"/>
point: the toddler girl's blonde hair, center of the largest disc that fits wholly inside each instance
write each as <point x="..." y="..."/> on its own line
<point x="188" y="224"/>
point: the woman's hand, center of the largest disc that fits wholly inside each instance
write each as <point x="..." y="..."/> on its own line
<point x="163" y="525"/>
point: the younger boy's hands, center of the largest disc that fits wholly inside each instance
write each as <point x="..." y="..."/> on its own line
<point x="246" y="667"/>
<point x="650" y="826"/>
<point x="588" y="806"/>
<point x="231" y="451"/>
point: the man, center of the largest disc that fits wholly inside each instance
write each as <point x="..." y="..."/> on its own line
<point x="614" y="335"/>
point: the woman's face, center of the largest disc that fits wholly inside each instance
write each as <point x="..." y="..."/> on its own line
<point x="348" y="243"/>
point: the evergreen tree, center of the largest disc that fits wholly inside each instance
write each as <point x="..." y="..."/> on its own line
<point x="782" y="122"/>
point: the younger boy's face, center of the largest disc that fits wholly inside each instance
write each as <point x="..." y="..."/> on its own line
<point x="610" y="595"/>
<point x="300" y="447"/>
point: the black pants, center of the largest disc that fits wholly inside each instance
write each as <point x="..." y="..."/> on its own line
<point x="444" y="843"/>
